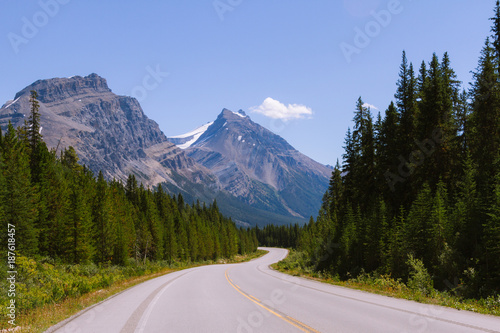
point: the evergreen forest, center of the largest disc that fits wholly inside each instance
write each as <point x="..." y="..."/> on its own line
<point x="419" y="182"/>
<point x="61" y="210"/>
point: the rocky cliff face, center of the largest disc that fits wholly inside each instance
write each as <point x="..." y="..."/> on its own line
<point x="260" y="167"/>
<point x="109" y="132"/>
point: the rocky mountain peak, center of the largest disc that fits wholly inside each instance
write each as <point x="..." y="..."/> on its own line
<point x="230" y="115"/>
<point x="57" y="89"/>
<point x="258" y="166"/>
<point x="110" y="133"/>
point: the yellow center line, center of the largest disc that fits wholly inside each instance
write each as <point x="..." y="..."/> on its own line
<point x="255" y="298"/>
<point x="301" y="326"/>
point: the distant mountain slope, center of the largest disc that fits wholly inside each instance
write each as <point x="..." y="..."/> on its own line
<point x="258" y="166"/>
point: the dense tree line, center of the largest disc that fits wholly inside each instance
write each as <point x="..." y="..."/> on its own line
<point x="422" y="179"/>
<point x="60" y="209"/>
<point x="278" y="236"/>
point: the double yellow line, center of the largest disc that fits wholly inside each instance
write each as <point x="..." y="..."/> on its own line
<point x="301" y="326"/>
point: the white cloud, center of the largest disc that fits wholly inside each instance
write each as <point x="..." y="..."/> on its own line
<point x="275" y="109"/>
<point x="366" y="105"/>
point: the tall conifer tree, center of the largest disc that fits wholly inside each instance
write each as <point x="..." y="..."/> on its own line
<point x="21" y="199"/>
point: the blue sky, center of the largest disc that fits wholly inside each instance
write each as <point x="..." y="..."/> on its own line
<point x="206" y="55"/>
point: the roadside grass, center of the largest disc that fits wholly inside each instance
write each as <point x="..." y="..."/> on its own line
<point x="295" y="264"/>
<point x="49" y="293"/>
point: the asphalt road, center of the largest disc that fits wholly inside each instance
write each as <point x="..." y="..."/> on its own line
<point x="250" y="297"/>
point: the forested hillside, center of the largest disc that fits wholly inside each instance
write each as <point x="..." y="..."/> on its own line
<point x="60" y="209"/>
<point x="420" y="182"/>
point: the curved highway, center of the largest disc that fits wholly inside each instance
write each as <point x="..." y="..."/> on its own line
<point x="250" y="297"/>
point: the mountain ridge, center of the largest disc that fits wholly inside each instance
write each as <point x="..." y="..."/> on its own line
<point x="111" y="133"/>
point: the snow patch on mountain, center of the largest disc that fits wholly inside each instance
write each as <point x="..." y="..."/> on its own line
<point x="12" y="102"/>
<point x="240" y="113"/>
<point x="193" y="135"/>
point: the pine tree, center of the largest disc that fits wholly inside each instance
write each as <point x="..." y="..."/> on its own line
<point x="165" y="214"/>
<point x="485" y="117"/>
<point x="154" y="224"/>
<point x="417" y="228"/>
<point x="406" y="97"/>
<point x="450" y="152"/>
<point x="122" y="212"/>
<point x="350" y="163"/>
<point x="360" y="157"/>
<point x="21" y="199"/>
<point x="131" y="190"/>
<point x="103" y="230"/>
<point x="398" y="248"/>
<point x="54" y="209"/>
<point x="435" y="123"/>
<point x="193" y="240"/>
<point x="384" y="234"/>
<point x="335" y="194"/>
<point x="422" y="81"/>
<point x="348" y="242"/>
<point x="171" y="248"/>
<point x="375" y="238"/>
<point x="232" y="239"/>
<point x="34" y="130"/>
<point x="496" y="32"/>
<point x="35" y="137"/>
<point x="70" y="159"/>
<point x="80" y="233"/>
<point x="440" y="232"/>
<point x="181" y="204"/>
<point x="368" y="161"/>
<point x="182" y="240"/>
<point x="492" y="238"/>
<point x="462" y="116"/>
<point x="466" y="227"/>
<point x="387" y="158"/>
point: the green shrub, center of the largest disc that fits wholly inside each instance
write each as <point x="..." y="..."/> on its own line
<point x="42" y="282"/>
<point x="420" y="280"/>
<point x="294" y="261"/>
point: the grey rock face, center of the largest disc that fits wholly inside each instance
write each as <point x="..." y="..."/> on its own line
<point x="109" y="132"/>
<point x="260" y="167"/>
